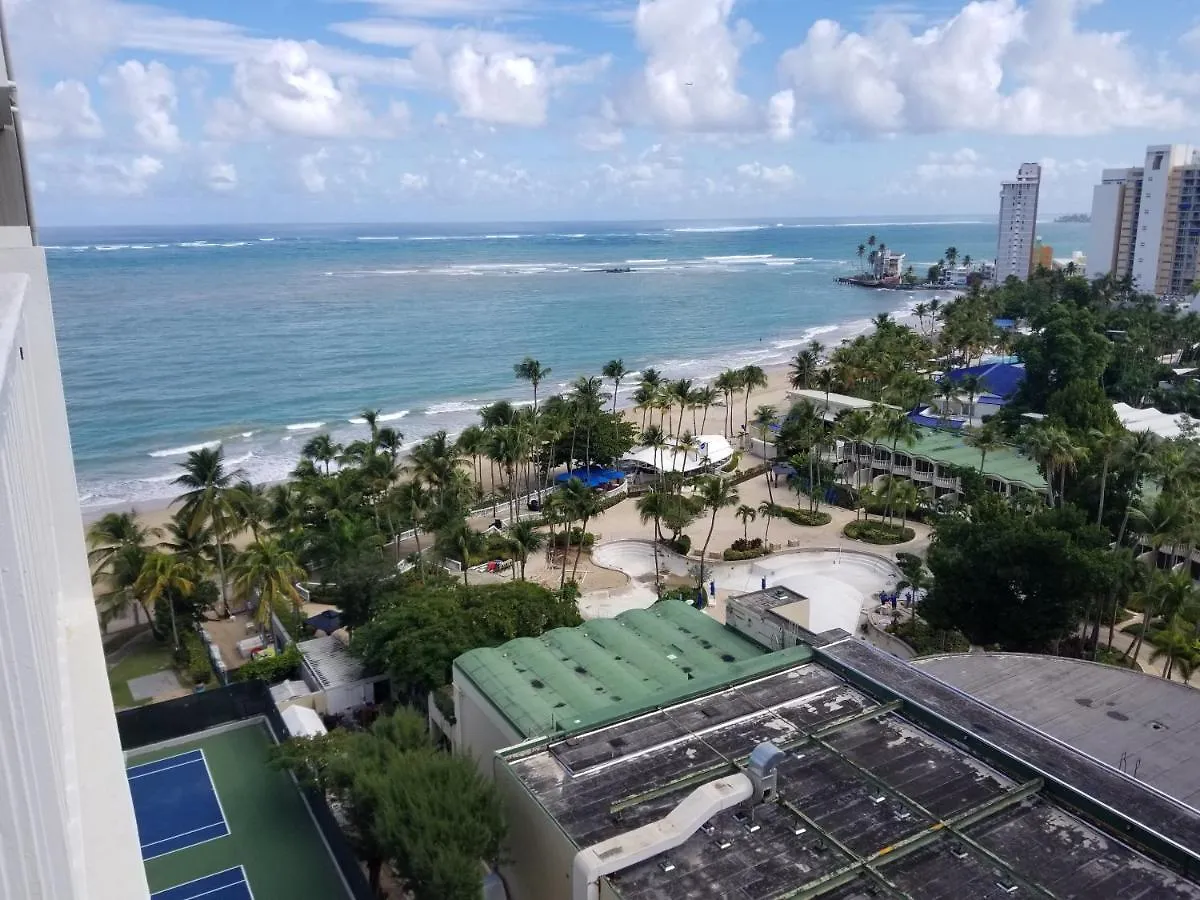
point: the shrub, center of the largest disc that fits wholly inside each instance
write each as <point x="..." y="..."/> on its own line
<point x="734" y="462"/>
<point x="741" y="544"/>
<point x="755" y="472"/>
<point x="878" y="533"/>
<point x="735" y="555"/>
<point x="271" y="669"/>
<point x="193" y="658"/>
<point x="805" y="517"/>
<point x="577" y="535"/>
<point x="681" y="545"/>
<point x="924" y="639"/>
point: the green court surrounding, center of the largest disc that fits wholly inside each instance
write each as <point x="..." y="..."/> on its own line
<point x="271" y="833"/>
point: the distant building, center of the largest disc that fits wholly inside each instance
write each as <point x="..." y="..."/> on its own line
<point x="1146" y="222"/>
<point x="1043" y="256"/>
<point x="889" y="264"/>
<point x="1018" y="222"/>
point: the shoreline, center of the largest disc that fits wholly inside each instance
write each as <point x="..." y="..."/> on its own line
<point x="155" y="509"/>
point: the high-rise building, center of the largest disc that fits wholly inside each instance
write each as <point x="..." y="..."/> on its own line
<point x="67" y="829"/>
<point x="1146" y="222"/>
<point x="1018" y="223"/>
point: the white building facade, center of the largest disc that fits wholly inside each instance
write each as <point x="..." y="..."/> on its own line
<point x="1146" y="222"/>
<point x="67" y="830"/>
<point x="1018" y="223"/>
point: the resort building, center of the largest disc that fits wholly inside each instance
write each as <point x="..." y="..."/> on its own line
<point x="840" y="772"/>
<point x="1018" y="224"/>
<point x="67" y="828"/>
<point x="706" y="453"/>
<point x="930" y="462"/>
<point x="888" y="264"/>
<point x="1146" y="222"/>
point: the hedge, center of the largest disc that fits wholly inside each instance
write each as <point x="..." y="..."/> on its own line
<point x="736" y="555"/>
<point x="742" y="544"/>
<point x="878" y="533"/>
<point x="271" y="669"/>
<point x="925" y="640"/>
<point x="806" y="517"/>
<point x="751" y="473"/>
<point x="193" y="658"/>
<point x="682" y="546"/>
<point x="560" y="539"/>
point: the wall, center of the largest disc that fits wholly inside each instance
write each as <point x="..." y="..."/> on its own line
<point x="539" y="853"/>
<point x="479" y="729"/>
<point x="888" y="642"/>
<point x="1106" y="224"/>
<point x="66" y="819"/>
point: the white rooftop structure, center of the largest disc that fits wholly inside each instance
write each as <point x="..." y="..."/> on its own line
<point x="830" y="405"/>
<point x="330" y="662"/>
<point x="710" y="450"/>
<point x="303" y="722"/>
<point x="1165" y="425"/>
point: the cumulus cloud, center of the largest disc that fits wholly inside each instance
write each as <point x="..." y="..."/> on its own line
<point x="781" y="113"/>
<point x="410" y="181"/>
<point x="221" y="177"/>
<point x="501" y="87"/>
<point x="148" y="94"/>
<point x="995" y="66"/>
<point x="286" y="92"/>
<point x="964" y="163"/>
<point x="308" y="167"/>
<point x="115" y="176"/>
<point x="65" y="111"/>
<point x="692" y="56"/>
<point x="780" y="176"/>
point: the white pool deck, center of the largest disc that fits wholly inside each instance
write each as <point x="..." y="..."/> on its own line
<point x="840" y="583"/>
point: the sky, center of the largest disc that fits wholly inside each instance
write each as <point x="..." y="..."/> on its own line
<point x="232" y="111"/>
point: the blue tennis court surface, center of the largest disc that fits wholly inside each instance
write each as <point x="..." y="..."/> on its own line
<point x="176" y="805"/>
<point x="228" y="885"/>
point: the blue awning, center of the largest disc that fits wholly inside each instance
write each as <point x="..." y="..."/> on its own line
<point x="591" y="477"/>
<point x="328" y="621"/>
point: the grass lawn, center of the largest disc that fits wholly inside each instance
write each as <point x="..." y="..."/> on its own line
<point x="145" y="659"/>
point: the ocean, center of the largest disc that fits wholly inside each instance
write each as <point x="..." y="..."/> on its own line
<point x="173" y="338"/>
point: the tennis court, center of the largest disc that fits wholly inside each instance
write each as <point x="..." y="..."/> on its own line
<point x="175" y="804"/>
<point x="218" y="822"/>
<point x="228" y="885"/>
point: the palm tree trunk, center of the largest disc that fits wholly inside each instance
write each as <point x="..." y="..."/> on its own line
<point x="704" y="553"/>
<point x="579" y="549"/>
<point x="171" y="609"/>
<point x="221" y="571"/>
<point x="657" y="575"/>
<point x="1103" y="488"/>
<point x="704" y="419"/>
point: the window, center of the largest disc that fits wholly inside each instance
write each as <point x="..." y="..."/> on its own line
<point x="1158" y="160"/>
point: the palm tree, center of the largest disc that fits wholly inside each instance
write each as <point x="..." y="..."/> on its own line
<point x="897" y="427"/>
<point x="1167" y="593"/>
<point x="767" y="511"/>
<point x="728" y="384"/>
<point x="269" y="572"/>
<point x="802" y="368"/>
<point x="580" y="503"/>
<point x="905" y="497"/>
<point x="747" y="514"/>
<point x="523" y="539"/>
<point x="248" y="507"/>
<point x="206" y="500"/>
<point x="705" y="397"/>
<point x="1139" y="455"/>
<point x="951" y="256"/>
<point x="650" y="507"/>
<point x="1107" y="443"/>
<point x="825" y="381"/>
<point x="118" y="546"/>
<point x="715" y="493"/>
<point x="615" y="369"/>
<point x="164" y="575"/>
<point x="322" y="449"/>
<point x="466" y="542"/>
<point x="471" y="442"/>
<point x="861" y="252"/>
<point x="985" y="439"/>
<point x="413" y="501"/>
<point x="750" y="378"/>
<point x="644" y="398"/>
<point x="1176" y="643"/>
<point x="529" y="369"/>
<point x="680" y="392"/>
<point x="972" y="385"/>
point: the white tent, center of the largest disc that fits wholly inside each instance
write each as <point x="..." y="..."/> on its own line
<point x="1165" y="425"/>
<point x="711" y="450"/>
<point x="303" y="722"/>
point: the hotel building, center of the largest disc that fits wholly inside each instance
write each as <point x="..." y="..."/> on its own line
<point x="1146" y="222"/>
<point x="67" y="828"/>
<point x="1018" y="223"/>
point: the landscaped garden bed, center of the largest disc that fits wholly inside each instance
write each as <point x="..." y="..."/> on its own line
<point x="878" y="532"/>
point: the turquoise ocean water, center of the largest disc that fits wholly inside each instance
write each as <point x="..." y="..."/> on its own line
<point x="256" y="336"/>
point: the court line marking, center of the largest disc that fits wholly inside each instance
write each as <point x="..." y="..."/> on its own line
<point x="187" y="762"/>
<point x="175" y="837"/>
<point x="224" y="822"/>
<point x="243" y="880"/>
<point x="212" y="783"/>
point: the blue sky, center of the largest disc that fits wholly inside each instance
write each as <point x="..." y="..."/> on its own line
<point x="429" y="110"/>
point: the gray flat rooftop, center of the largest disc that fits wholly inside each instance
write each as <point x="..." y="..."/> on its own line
<point x="869" y="804"/>
<point x="1142" y="724"/>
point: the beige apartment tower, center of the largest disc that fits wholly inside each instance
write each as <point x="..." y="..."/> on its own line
<point x="1146" y="222"/>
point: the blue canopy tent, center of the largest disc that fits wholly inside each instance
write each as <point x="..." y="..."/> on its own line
<point x="328" y="621"/>
<point x="592" y="477"/>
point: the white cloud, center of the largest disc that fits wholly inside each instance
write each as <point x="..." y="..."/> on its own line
<point x="689" y="82"/>
<point x="995" y="66"/>
<point x="148" y="95"/>
<point x="65" y="111"/>
<point x="413" y="182"/>
<point x="781" y="113"/>
<point x="500" y="87"/>
<point x="780" y="176"/>
<point x="960" y="164"/>
<point x="1192" y="38"/>
<point x="99" y="174"/>
<point x="221" y="177"/>
<point x="399" y="33"/>
<point x="655" y="169"/>
<point x="309" y="169"/>
<point x="284" y="91"/>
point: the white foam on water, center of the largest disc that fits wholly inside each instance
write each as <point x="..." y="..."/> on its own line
<point x="748" y="257"/>
<point x="235" y="244"/>
<point x="306" y="426"/>
<point x="184" y="451"/>
<point x="385" y="417"/>
<point x="104" y="247"/>
<point x="720" y="229"/>
<point x="646" y="262"/>
<point x="385" y="237"/>
<point x="439" y="409"/>
<point x="266" y="239"/>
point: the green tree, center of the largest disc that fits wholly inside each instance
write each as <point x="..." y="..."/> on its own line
<point x="533" y="372"/>
<point x="164" y="576"/>
<point x="524" y="539"/>
<point x="750" y="379"/>
<point x="985" y="439"/>
<point x="269" y="572"/>
<point x="747" y="515"/>
<point x="118" y="546"/>
<point x="615" y="369"/>
<point x="716" y="494"/>
<point x="206" y="500"/>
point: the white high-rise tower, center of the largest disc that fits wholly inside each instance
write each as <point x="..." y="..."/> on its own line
<point x="67" y="829"/>
<point x="1018" y="223"/>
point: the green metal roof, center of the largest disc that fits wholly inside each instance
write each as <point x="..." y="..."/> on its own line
<point x="577" y="677"/>
<point x="948" y="448"/>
